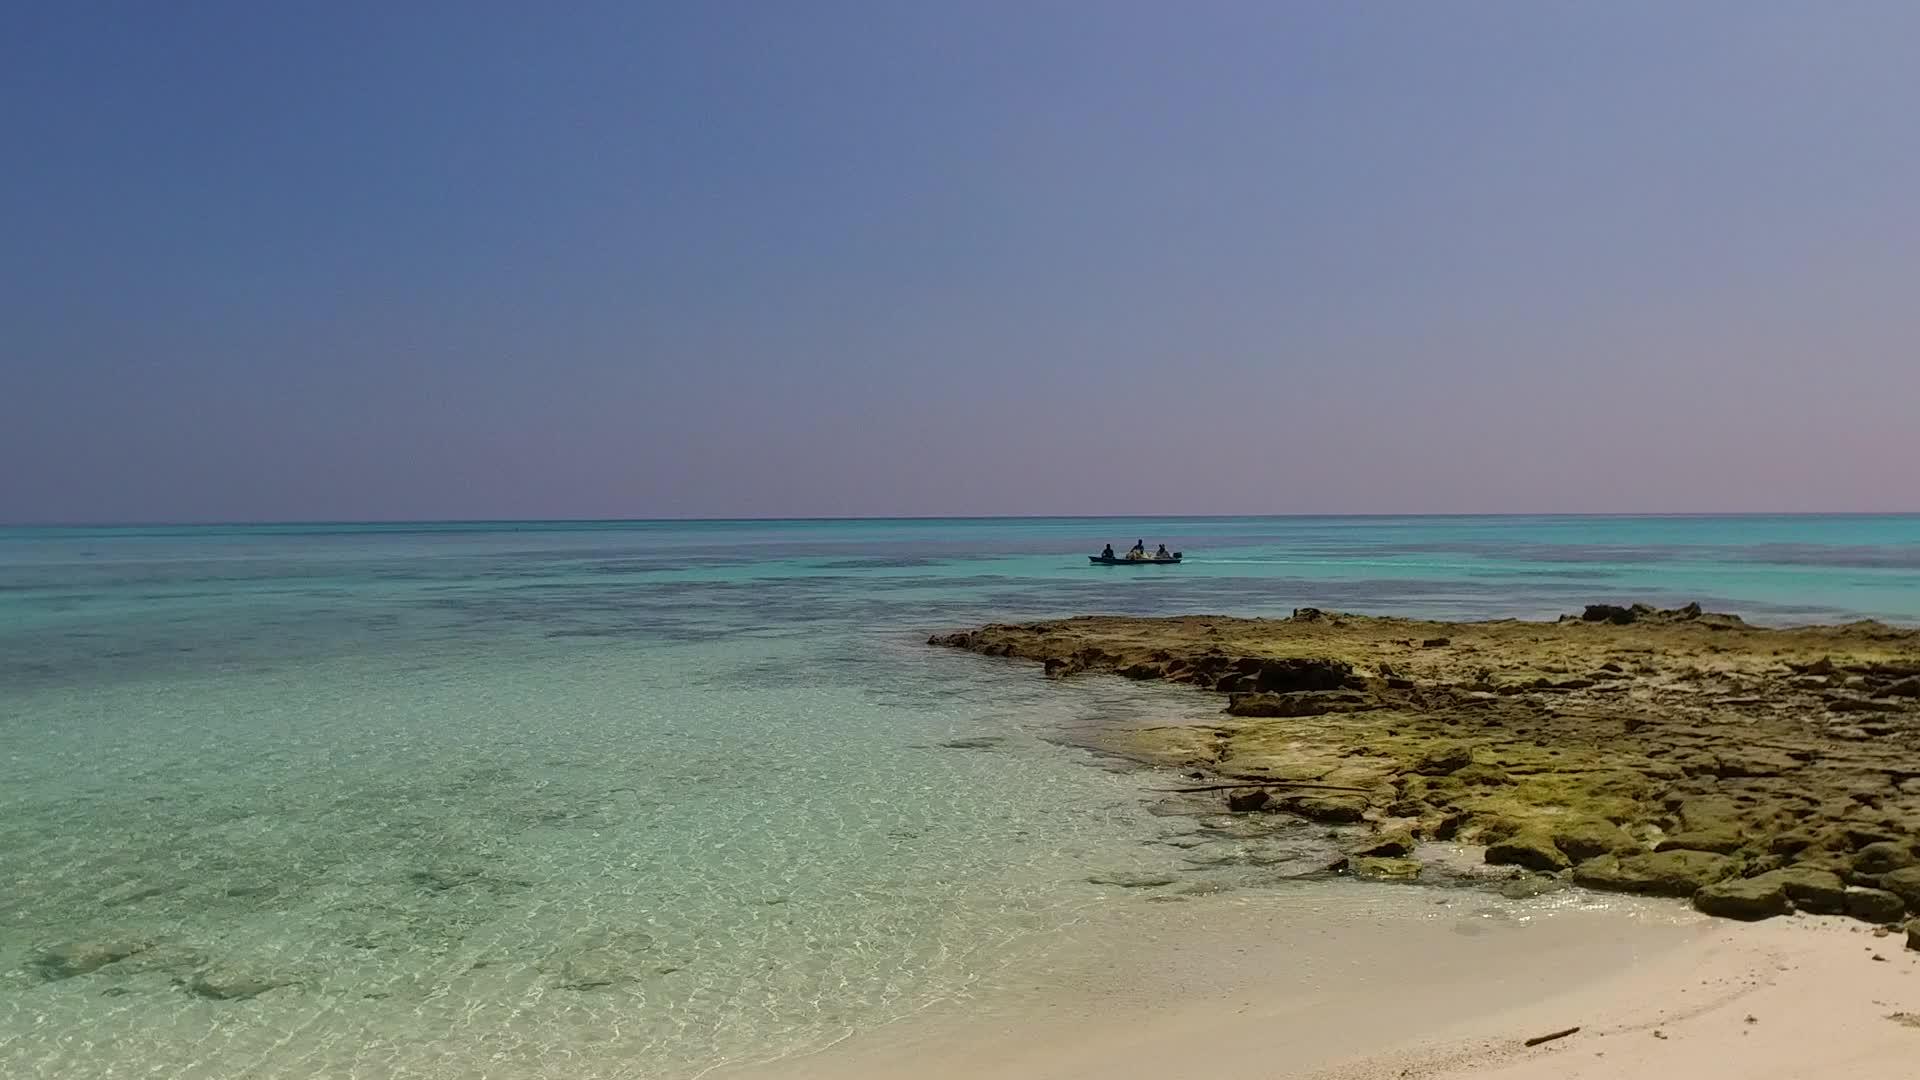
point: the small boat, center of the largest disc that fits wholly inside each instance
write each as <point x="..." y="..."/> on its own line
<point x="1122" y="560"/>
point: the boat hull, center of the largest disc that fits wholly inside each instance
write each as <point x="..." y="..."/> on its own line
<point x="1117" y="561"/>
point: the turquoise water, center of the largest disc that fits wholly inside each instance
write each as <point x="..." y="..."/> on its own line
<point x="586" y="799"/>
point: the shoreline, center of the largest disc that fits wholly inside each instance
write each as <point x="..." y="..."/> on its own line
<point x="1594" y="985"/>
<point x="1755" y="771"/>
<point x="1338" y="981"/>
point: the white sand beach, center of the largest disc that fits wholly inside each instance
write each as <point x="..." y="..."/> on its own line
<point x="1399" y="983"/>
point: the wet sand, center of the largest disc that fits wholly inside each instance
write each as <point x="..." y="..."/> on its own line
<point x="1344" y="981"/>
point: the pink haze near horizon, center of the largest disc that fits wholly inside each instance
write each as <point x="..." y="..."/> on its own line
<point x="479" y="261"/>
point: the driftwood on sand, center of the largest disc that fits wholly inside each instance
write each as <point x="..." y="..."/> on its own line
<point x="1550" y="1036"/>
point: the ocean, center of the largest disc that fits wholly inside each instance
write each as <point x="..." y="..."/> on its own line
<point x="582" y="799"/>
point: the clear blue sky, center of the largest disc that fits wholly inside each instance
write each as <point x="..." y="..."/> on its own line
<point x="397" y="260"/>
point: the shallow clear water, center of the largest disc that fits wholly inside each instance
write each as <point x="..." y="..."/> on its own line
<point x="634" y="799"/>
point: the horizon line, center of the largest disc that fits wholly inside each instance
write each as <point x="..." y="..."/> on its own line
<point x="821" y="519"/>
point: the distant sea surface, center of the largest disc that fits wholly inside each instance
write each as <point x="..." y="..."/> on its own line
<point x="639" y="799"/>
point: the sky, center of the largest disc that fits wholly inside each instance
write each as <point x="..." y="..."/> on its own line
<point x="504" y="260"/>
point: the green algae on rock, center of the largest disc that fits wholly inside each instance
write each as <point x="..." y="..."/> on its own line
<point x="1751" y="898"/>
<point x="1533" y="849"/>
<point x="1655" y="873"/>
<point x="1390" y="843"/>
<point x="1384" y="868"/>
<point x="1649" y="751"/>
<point x="1874" y="905"/>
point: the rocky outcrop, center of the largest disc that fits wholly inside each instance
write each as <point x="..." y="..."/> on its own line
<point x="1718" y="841"/>
<point x="1384" y="869"/>
<point x="1874" y="905"/>
<point x="1745" y="898"/>
<point x="1614" y="613"/>
<point x="1534" y="850"/>
<point x="1332" y="809"/>
<point x="1661" y="873"/>
<point x="1629" y="614"/>
<point x="1625" y="747"/>
<point x="1905" y="884"/>
<point x="1581" y="840"/>
<point x="1817" y="892"/>
<point x="1243" y="802"/>
<point x="1443" y="760"/>
<point x="1308" y="703"/>
<point x="1294" y="674"/>
<point x="1775" y="892"/>
<point x="1883" y="857"/>
<point x="1389" y="843"/>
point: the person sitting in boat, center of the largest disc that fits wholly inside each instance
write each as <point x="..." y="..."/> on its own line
<point x="1139" y="549"/>
<point x="1107" y="552"/>
<point x="1163" y="553"/>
